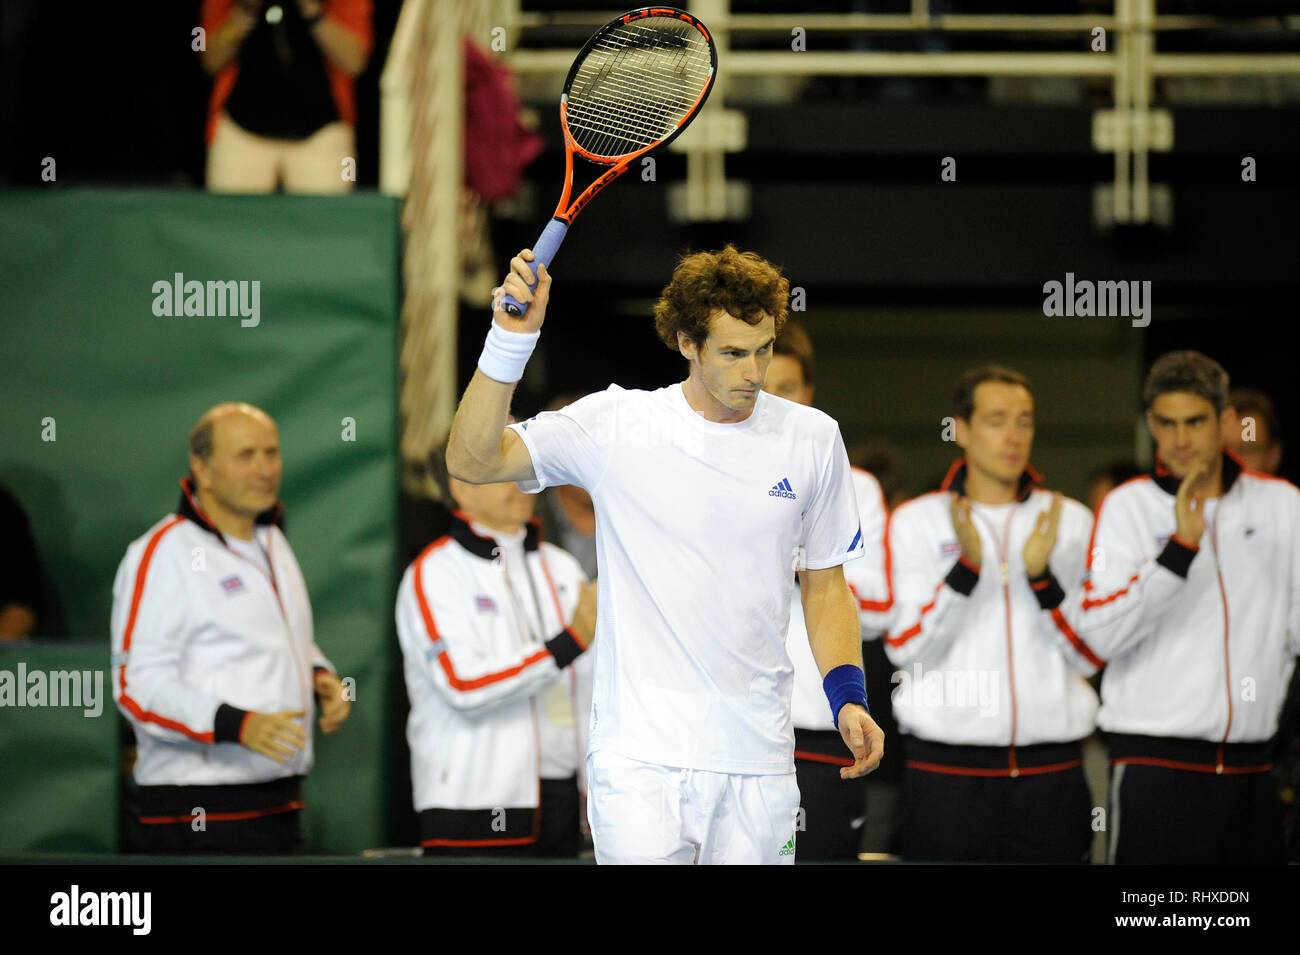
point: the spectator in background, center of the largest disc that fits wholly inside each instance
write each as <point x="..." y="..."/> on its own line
<point x="494" y="624"/>
<point x="215" y="661"/>
<point x="1251" y="432"/>
<point x="833" y="808"/>
<point x="880" y="828"/>
<point x="992" y="698"/>
<point x="884" y="462"/>
<point x="1193" y="599"/>
<point x="283" y="107"/>
<point x="1108" y="477"/>
<point x="20" y="571"/>
<point x="567" y="513"/>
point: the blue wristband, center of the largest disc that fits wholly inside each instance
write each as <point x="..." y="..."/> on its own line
<point x="845" y="683"/>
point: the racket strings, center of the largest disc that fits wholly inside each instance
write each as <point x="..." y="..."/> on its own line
<point x="667" y="85"/>
<point x="656" y="108"/>
<point x="627" y="108"/>
<point x="641" y="116"/>
<point x="636" y="85"/>
<point x="625" y="116"/>
<point x="616" y="122"/>
<point x="633" y="55"/>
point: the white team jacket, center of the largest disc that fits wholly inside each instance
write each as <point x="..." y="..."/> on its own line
<point x="868" y="578"/>
<point x="474" y="675"/>
<point x="1200" y="640"/>
<point x="987" y="659"/>
<point x="201" y="636"/>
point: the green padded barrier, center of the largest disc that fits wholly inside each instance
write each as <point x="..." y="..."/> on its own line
<point x="60" y="779"/>
<point x="99" y="391"/>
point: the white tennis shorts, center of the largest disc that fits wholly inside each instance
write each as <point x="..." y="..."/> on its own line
<point x="643" y="813"/>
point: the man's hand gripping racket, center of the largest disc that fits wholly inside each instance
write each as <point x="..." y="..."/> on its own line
<point x="529" y="284"/>
<point x="635" y="85"/>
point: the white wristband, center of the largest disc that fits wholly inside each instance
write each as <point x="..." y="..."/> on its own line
<point x="505" y="353"/>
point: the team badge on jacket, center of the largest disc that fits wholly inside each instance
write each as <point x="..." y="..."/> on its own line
<point x="485" y="604"/>
<point x="232" y="585"/>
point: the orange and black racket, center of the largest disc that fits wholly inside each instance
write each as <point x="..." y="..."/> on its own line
<point x="635" y="85"/>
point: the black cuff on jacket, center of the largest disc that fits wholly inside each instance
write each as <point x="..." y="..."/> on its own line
<point x="1047" y="589"/>
<point x="962" y="578"/>
<point x="1177" y="557"/>
<point x="565" y="647"/>
<point x="227" y="724"/>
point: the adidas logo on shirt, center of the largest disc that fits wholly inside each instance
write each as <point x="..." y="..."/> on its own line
<point x="782" y="489"/>
<point x="788" y="848"/>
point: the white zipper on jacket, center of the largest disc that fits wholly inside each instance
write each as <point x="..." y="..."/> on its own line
<point x="1004" y="572"/>
<point x="269" y="574"/>
<point x="525" y="621"/>
<point x="1227" y="663"/>
<point x="523" y="633"/>
<point x="580" y="756"/>
<point x="541" y="620"/>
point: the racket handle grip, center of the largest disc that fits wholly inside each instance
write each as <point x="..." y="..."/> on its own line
<point x="548" y="243"/>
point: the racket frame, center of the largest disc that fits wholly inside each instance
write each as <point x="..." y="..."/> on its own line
<point x="552" y="236"/>
<point x="565" y="212"/>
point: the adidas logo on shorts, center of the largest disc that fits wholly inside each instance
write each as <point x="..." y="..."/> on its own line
<point x="782" y="489"/>
<point x="788" y="848"/>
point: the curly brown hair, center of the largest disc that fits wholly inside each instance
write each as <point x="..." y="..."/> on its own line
<point x="743" y="284"/>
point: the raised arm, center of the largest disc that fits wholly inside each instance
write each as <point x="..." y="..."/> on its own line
<point x="1127" y="591"/>
<point x="225" y="39"/>
<point x="343" y="33"/>
<point x="480" y="450"/>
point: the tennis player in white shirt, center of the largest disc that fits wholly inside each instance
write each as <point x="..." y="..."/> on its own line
<point x="708" y="493"/>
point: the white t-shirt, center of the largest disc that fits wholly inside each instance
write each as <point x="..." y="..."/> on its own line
<point x="699" y="526"/>
<point x="251" y="551"/>
<point x="809" y="707"/>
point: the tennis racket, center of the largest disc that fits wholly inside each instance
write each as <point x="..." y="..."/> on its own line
<point x="635" y="85"/>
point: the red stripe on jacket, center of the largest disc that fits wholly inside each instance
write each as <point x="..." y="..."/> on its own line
<point x="915" y="628"/>
<point x="993" y="773"/>
<point x="1076" y="641"/>
<point x="879" y="606"/>
<point x="227" y="816"/>
<point x="134" y="708"/>
<point x="1089" y="602"/>
<point x="1191" y="767"/>
<point x="444" y="659"/>
<point x="822" y="758"/>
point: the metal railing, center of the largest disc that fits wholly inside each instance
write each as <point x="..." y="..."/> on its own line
<point x="1130" y="129"/>
<point x="420" y="148"/>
